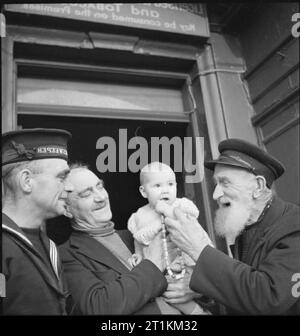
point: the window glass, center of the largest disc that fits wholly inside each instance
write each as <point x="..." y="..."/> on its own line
<point x="98" y="95"/>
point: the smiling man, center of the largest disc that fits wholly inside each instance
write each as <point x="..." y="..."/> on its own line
<point x="262" y="230"/>
<point x="233" y="193"/>
<point x="96" y="257"/>
<point x="34" y="169"/>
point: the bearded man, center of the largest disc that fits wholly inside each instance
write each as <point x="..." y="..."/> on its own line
<point x="262" y="230"/>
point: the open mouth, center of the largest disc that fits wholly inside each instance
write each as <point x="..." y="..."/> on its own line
<point x="166" y="199"/>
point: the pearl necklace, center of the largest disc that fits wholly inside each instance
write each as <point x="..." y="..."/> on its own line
<point x="166" y="253"/>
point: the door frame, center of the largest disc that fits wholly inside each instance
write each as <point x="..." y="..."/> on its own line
<point x="12" y="64"/>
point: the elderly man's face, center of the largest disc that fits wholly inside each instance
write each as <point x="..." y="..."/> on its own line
<point x="89" y="202"/>
<point x="234" y="195"/>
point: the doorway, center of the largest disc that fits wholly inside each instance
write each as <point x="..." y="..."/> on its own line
<point x="123" y="187"/>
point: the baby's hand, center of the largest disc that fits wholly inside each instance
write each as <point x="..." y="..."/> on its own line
<point x="185" y="205"/>
<point x="164" y="208"/>
<point x="188" y="207"/>
<point x="135" y="259"/>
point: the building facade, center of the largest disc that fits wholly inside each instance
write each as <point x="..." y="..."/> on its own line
<point x="141" y="71"/>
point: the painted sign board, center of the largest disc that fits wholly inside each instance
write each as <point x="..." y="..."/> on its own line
<point x="180" y="18"/>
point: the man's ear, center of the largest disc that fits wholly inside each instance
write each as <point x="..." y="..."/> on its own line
<point x="142" y="191"/>
<point x="260" y="185"/>
<point x="25" y="180"/>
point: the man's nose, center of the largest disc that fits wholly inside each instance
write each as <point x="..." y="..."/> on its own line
<point x="99" y="195"/>
<point x="165" y="188"/>
<point x="218" y="192"/>
<point x="68" y="187"/>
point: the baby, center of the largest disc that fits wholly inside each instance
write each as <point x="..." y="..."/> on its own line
<point x="158" y="184"/>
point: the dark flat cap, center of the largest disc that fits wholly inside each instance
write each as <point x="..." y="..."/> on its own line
<point x="242" y="154"/>
<point x="34" y="144"/>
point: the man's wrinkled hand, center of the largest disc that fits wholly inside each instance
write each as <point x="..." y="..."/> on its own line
<point x="186" y="232"/>
<point x="178" y="290"/>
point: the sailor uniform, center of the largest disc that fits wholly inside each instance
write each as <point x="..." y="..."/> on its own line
<point x="34" y="285"/>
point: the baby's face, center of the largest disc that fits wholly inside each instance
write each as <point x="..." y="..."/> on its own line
<point x="160" y="186"/>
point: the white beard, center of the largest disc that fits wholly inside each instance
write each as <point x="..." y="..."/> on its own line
<point x="231" y="221"/>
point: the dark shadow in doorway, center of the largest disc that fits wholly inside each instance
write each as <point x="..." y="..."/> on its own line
<point x="123" y="187"/>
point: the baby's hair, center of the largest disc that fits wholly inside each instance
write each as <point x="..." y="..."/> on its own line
<point x="153" y="167"/>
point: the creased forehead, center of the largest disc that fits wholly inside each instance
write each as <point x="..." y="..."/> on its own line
<point x="81" y="177"/>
